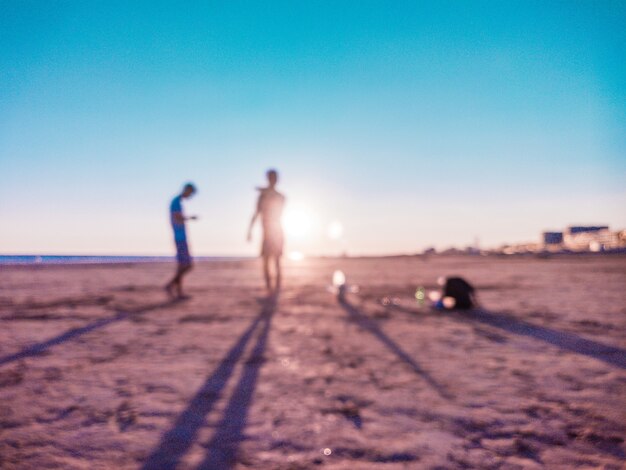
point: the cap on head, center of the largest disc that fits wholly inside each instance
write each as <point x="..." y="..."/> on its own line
<point x="272" y="177"/>
<point x="189" y="189"/>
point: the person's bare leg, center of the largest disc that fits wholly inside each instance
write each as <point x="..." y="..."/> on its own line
<point x="184" y="272"/>
<point x="266" y="274"/>
<point x="177" y="281"/>
<point x="278" y="272"/>
<point x="174" y="282"/>
<point x="168" y="288"/>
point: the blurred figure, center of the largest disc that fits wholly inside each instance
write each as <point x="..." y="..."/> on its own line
<point x="270" y="207"/>
<point x="177" y="218"/>
<point x="457" y="294"/>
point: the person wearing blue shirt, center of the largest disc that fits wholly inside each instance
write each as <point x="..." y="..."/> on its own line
<point x="177" y="219"/>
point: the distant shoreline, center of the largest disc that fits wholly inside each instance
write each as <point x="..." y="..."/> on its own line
<point x="47" y="260"/>
<point x="38" y="260"/>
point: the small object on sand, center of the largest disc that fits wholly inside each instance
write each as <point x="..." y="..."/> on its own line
<point x="339" y="282"/>
<point x="339" y="278"/>
<point x="456" y="293"/>
<point x="420" y="295"/>
<point x="341" y="292"/>
<point x="434" y="296"/>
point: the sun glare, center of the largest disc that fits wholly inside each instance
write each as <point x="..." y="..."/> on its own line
<point x="296" y="256"/>
<point x="297" y="222"/>
<point x="335" y="230"/>
<point x="339" y="278"/>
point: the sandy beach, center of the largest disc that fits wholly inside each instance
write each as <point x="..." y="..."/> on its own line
<point x="99" y="370"/>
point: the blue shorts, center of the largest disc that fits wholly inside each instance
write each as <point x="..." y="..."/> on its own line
<point x="182" y="253"/>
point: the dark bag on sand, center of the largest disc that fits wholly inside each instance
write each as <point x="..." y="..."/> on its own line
<point x="461" y="291"/>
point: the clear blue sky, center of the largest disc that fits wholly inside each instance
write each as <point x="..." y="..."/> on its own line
<point x="412" y="123"/>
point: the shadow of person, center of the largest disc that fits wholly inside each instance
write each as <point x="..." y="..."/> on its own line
<point x="120" y="314"/>
<point x="372" y="327"/>
<point x="567" y="341"/>
<point x="564" y="340"/>
<point x="222" y="449"/>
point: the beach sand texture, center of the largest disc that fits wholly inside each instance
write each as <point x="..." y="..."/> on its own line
<point x="99" y="370"/>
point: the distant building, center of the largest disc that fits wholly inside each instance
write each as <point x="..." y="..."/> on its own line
<point x="552" y="238"/>
<point x="575" y="229"/>
<point x="575" y="238"/>
<point x="589" y="238"/>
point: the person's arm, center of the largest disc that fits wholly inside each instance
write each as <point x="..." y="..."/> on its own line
<point x="252" y="225"/>
<point x="254" y="217"/>
<point x="178" y="217"/>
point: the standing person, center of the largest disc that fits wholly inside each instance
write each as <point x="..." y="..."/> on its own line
<point x="183" y="258"/>
<point x="270" y="207"/>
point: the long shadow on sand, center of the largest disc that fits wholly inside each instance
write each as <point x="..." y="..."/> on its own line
<point x="222" y="449"/>
<point x="568" y="341"/>
<point x="39" y="348"/>
<point x="371" y="326"/>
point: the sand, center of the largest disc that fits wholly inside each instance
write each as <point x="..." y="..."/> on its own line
<point x="99" y="370"/>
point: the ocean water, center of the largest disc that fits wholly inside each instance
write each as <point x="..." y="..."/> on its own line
<point x="65" y="259"/>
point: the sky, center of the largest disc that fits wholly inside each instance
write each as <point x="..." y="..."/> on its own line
<point x="403" y="125"/>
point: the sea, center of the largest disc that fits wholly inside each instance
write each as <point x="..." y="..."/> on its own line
<point x="89" y="259"/>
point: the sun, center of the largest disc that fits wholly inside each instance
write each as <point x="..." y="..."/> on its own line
<point x="297" y="222"/>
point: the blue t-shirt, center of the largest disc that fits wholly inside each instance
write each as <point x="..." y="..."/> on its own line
<point x="179" y="228"/>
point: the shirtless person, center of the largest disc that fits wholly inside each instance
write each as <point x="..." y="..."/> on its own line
<point x="270" y="207"/>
